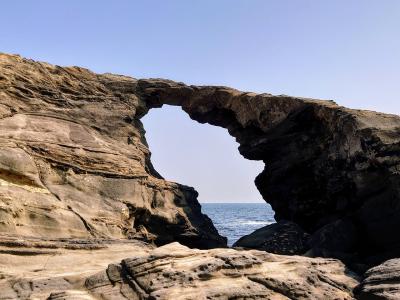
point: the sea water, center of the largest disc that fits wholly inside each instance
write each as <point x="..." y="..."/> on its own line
<point x="235" y="220"/>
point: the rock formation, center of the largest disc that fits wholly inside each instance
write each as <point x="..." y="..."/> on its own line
<point x="76" y="178"/>
<point x="169" y="272"/>
<point x="69" y="134"/>
<point x="283" y="237"/>
<point x="73" y="152"/>
<point x="381" y="282"/>
<point x="176" y="272"/>
<point x="327" y="168"/>
<point x="33" y="268"/>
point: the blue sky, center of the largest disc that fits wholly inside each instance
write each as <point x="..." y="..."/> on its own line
<point x="344" y="50"/>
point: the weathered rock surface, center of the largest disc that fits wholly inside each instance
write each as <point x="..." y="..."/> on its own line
<point x="381" y="282"/>
<point x="283" y="237"/>
<point x="75" y="269"/>
<point x="37" y="268"/>
<point x="74" y="162"/>
<point x="177" y="272"/>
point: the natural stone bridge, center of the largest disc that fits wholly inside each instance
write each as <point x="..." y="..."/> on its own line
<point x="332" y="170"/>
<point x="68" y="134"/>
<point x="75" y="173"/>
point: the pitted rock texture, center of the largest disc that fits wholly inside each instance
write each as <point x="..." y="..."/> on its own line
<point x="74" y="162"/>
<point x="71" y="269"/>
<point x="382" y="282"/>
<point x="177" y="272"/>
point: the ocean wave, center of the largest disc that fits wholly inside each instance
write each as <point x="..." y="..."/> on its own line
<point x="249" y="222"/>
<point x="235" y="221"/>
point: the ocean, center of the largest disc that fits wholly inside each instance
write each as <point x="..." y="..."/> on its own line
<point x="235" y="220"/>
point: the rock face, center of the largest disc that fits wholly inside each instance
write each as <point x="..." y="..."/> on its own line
<point x="381" y="282"/>
<point x="74" y="162"/>
<point x="176" y="272"/>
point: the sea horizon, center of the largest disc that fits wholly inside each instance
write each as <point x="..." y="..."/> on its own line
<point x="234" y="220"/>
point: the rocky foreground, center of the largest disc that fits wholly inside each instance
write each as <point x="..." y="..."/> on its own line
<point x="66" y="270"/>
<point x="82" y="209"/>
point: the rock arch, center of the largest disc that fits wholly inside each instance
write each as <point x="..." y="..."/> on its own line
<point x="73" y="147"/>
<point x="332" y="170"/>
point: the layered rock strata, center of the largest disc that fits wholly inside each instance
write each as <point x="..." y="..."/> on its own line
<point x="381" y="282"/>
<point x="74" y="162"/>
<point x="177" y="272"/>
<point x="32" y="268"/>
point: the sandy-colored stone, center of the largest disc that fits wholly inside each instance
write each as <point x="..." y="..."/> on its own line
<point x="74" y="162"/>
<point x="177" y="272"/>
<point x="78" y="269"/>
<point x="36" y="268"/>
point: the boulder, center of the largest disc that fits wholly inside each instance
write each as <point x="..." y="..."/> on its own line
<point x="338" y="239"/>
<point x="283" y="237"/>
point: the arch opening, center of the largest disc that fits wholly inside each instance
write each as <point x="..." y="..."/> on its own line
<point x="206" y="157"/>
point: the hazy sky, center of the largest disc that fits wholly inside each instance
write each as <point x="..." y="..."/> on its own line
<point x="344" y="50"/>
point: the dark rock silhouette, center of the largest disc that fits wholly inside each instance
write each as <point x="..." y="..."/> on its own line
<point x="283" y="237"/>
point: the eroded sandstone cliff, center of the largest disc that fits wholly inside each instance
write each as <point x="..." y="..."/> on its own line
<point x="74" y="162"/>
